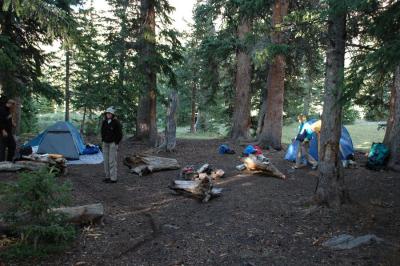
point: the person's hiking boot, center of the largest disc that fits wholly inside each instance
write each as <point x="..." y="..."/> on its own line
<point x="109" y="181"/>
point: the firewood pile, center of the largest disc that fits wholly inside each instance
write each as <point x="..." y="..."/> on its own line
<point x="198" y="184"/>
<point x="259" y="164"/>
<point x="189" y="173"/>
<point x="147" y="164"/>
<point x="35" y="162"/>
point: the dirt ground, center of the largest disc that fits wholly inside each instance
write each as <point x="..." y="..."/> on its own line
<point x="258" y="220"/>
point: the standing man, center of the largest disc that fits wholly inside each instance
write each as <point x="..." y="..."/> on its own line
<point x="7" y="123"/>
<point x="111" y="135"/>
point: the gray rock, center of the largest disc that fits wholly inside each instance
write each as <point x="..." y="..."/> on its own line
<point x="348" y="242"/>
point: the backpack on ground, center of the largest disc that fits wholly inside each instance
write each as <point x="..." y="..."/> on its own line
<point x="377" y="156"/>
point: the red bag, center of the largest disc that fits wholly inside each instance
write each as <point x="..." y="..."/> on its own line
<point x="258" y="150"/>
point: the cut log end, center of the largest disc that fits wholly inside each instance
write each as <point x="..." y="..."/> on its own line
<point x="200" y="189"/>
<point x="86" y="214"/>
<point x="254" y="164"/>
<point x="146" y="164"/>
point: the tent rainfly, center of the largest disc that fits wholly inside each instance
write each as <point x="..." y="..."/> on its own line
<point x="60" y="138"/>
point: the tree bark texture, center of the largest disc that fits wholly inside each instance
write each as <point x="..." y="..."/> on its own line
<point x="392" y="136"/>
<point x="307" y="98"/>
<point x="146" y="118"/>
<point x="146" y="164"/>
<point x="18" y="114"/>
<point x="201" y="189"/>
<point x="85" y="214"/>
<point x="331" y="189"/>
<point x="271" y="132"/>
<point x="262" y="110"/>
<point x="252" y="163"/>
<point x="170" y="128"/>
<point x="241" y="113"/>
<point x="67" y="78"/>
<point x="83" y="121"/>
<point x="122" y="56"/>
<point x="193" y="115"/>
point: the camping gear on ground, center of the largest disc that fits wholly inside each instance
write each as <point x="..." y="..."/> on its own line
<point x="60" y="138"/>
<point x="346" y="146"/>
<point x="96" y="158"/>
<point x="377" y="156"/>
<point x="188" y="172"/>
<point x="224" y="149"/>
<point x="91" y="149"/>
<point x="258" y="150"/>
<point x="205" y="168"/>
<point x="241" y="167"/>
<point x="249" y="150"/>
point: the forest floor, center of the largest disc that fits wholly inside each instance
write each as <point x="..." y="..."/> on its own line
<point x="258" y="220"/>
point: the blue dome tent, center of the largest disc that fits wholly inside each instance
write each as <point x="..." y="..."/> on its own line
<point x="346" y="146"/>
<point x="60" y="138"/>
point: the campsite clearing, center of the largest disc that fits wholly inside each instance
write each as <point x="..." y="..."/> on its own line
<point x="257" y="220"/>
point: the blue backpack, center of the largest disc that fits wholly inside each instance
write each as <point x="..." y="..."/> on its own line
<point x="377" y="156"/>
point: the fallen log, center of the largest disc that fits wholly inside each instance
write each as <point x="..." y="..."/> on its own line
<point x="146" y="164"/>
<point x="86" y="214"/>
<point x="202" y="189"/>
<point x="255" y="165"/>
<point x="21" y="165"/>
<point x="53" y="160"/>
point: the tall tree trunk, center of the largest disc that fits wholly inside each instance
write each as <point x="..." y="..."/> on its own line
<point x="123" y="34"/>
<point x="147" y="110"/>
<point x="241" y="113"/>
<point x="18" y="113"/>
<point x="331" y="189"/>
<point x="271" y="132"/>
<point x="307" y="98"/>
<point x="67" y="78"/>
<point x="262" y="108"/>
<point x="392" y="135"/>
<point x="83" y="120"/>
<point x="170" y="128"/>
<point x="193" y="116"/>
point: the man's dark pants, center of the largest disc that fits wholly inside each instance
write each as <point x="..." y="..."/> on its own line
<point x="7" y="144"/>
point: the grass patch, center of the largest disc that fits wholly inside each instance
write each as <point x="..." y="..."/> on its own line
<point x="184" y="133"/>
<point x="363" y="133"/>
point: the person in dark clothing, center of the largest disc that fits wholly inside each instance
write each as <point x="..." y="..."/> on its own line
<point x="111" y="135"/>
<point x="7" y="140"/>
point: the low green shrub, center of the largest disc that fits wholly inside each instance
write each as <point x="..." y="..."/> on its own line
<point x="28" y="211"/>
